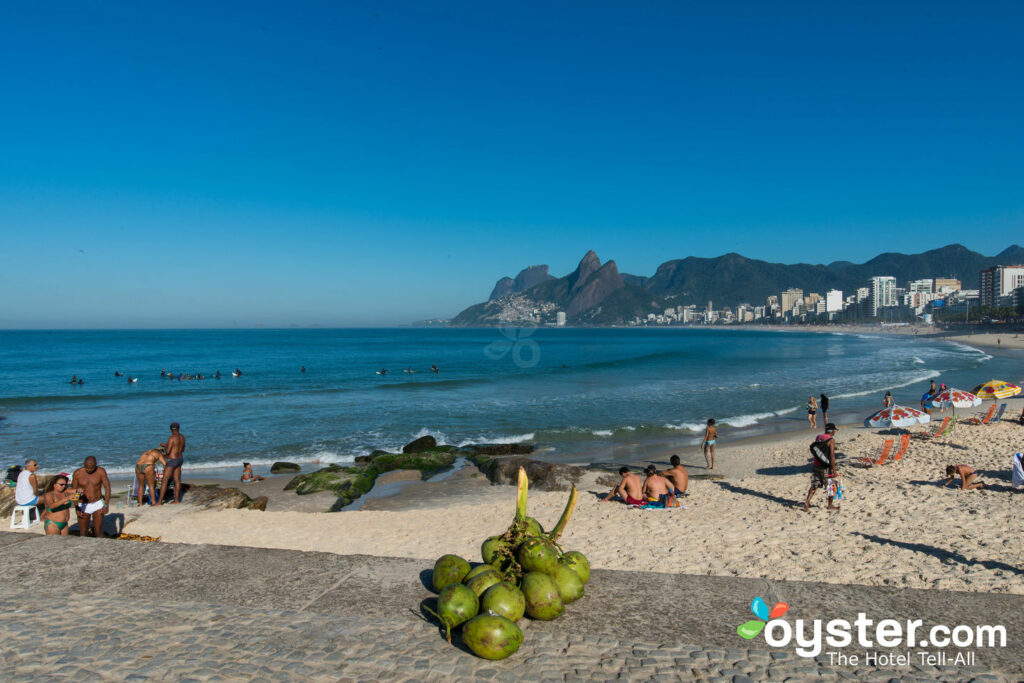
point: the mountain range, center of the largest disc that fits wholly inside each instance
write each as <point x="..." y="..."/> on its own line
<point x="598" y="294"/>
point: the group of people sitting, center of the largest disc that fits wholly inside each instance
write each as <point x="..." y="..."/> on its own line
<point x="656" y="489"/>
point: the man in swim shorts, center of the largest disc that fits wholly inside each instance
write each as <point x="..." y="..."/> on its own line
<point x="656" y="487"/>
<point x="95" y="497"/>
<point x="710" y="436"/>
<point x="174" y="448"/>
<point x="677" y="476"/>
<point x="823" y="465"/>
<point x="629" y="490"/>
<point x="145" y="472"/>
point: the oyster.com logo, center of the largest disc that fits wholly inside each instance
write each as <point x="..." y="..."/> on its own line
<point x="759" y="607"/>
<point x="525" y="352"/>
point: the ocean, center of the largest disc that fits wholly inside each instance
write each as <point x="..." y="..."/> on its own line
<point x="579" y="395"/>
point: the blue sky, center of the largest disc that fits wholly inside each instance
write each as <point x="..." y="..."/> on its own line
<point x="341" y="164"/>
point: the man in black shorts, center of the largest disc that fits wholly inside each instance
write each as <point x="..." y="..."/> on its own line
<point x="823" y="464"/>
<point x="175" y="449"/>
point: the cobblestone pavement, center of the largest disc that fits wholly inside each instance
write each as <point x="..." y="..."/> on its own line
<point x="118" y="611"/>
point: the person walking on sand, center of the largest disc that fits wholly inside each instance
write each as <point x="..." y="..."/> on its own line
<point x="677" y="476"/>
<point x="175" y="449"/>
<point x="968" y="477"/>
<point x="629" y="490"/>
<point x="145" y="473"/>
<point x="812" y="411"/>
<point x="95" y="486"/>
<point x="824" y="408"/>
<point x="710" y="436"/>
<point x="823" y="464"/>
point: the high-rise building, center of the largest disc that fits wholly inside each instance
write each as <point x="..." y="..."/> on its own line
<point x="883" y="293"/>
<point x="926" y="285"/>
<point x="944" y="285"/>
<point x="789" y="298"/>
<point x="560" y="318"/>
<point x="999" y="281"/>
<point x="833" y="301"/>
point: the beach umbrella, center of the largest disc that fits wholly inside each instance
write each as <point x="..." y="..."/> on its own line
<point x="957" y="398"/>
<point x="897" y="416"/>
<point x="996" y="389"/>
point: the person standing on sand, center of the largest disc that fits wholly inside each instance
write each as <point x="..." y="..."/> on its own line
<point x="175" y="449"/>
<point x="95" y="497"/>
<point x="630" y="489"/>
<point x="677" y="476"/>
<point x="812" y="411"/>
<point x="710" y="436"/>
<point x="58" y="503"/>
<point x="823" y="464"/>
<point x="824" y="408"/>
<point x="145" y="473"/>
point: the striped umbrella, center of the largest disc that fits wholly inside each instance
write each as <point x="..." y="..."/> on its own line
<point x="897" y="416"/>
<point x="996" y="389"/>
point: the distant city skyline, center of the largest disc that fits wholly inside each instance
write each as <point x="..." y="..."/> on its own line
<point x="250" y="164"/>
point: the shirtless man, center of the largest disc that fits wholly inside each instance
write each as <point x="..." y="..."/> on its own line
<point x="145" y="473"/>
<point x="630" y="489"/>
<point x="95" y="497"/>
<point x="677" y="476"/>
<point x="710" y="436"/>
<point x="174" y="448"/>
<point x="655" y="485"/>
<point x="967" y="477"/>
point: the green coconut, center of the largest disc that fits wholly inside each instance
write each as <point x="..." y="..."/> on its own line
<point x="543" y="600"/>
<point x="578" y="562"/>
<point x="449" y="569"/>
<point x="489" y="549"/>
<point x="477" y="571"/>
<point x="491" y="636"/>
<point x="533" y="527"/>
<point x="570" y="585"/>
<point x="505" y="600"/>
<point x="456" y="605"/>
<point x="481" y="582"/>
<point x="538" y="555"/>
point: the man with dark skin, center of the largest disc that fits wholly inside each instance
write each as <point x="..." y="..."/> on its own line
<point x="677" y="476"/>
<point x="820" y="471"/>
<point x="145" y="473"/>
<point x="655" y="485"/>
<point x="95" y="497"/>
<point x="174" y="448"/>
<point x="630" y="489"/>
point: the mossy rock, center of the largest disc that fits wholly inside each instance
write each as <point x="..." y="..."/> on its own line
<point x="282" y="467"/>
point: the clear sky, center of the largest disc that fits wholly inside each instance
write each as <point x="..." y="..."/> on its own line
<point x="219" y="164"/>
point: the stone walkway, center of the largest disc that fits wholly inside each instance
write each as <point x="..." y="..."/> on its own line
<point x="104" y="610"/>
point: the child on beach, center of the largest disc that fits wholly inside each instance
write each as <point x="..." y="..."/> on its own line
<point x="710" y="436"/>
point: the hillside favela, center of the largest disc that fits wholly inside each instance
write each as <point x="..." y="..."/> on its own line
<point x="460" y="342"/>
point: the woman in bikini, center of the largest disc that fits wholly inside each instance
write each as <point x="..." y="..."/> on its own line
<point x="812" y="411"/>
<point x="968" y="477"/>
<point x="145" y="473"/>
<point x="58" y="501"/>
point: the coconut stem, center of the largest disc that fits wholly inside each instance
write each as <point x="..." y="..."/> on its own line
<point x="447" y="626"/>
<point x="570" y="505"/>
<point x="522" y="486"/>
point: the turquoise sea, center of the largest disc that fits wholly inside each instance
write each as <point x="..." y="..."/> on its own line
<point x="577" y="394"/>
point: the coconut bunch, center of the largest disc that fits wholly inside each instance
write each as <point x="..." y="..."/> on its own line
<point x="524" y="572"/>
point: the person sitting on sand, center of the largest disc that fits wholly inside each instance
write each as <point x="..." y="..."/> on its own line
<point x="656" y="487"/>
<point x="823" y="464"/>
<point x="145" y="473"/>
<point x="710" y="436"/>
<point x="247" y="476"/>
<point x="968" y="477"/>
<point x="629" y="490"/>
<point x="677" y="476"/>
<point x="58" y="501"/>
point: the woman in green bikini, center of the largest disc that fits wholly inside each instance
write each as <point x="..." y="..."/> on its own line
<point x="58" y="500"/>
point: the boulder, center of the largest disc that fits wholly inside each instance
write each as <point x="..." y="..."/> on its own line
<point x="500" y="449"/>
<point x="608" y="480"/>
<point x="258" y="503"/>
<point x="333" y="478"/>
<point x="284" y="468"/>
<point x="371" y="456"/>
<point x="215" y="497"/>
<point x="6" y="501"/>
<point x="424" y="443"/>
<point x="544" y="476"/>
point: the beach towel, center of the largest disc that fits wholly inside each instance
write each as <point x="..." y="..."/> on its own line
<point x="1018" y="470"/>
<point x="665" y="502"/>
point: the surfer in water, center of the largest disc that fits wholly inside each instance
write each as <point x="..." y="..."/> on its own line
<point x="434" y="369"/>
<point x="383" y="371"/>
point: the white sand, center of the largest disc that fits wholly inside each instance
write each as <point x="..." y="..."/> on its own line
<point x="897" y="527"/>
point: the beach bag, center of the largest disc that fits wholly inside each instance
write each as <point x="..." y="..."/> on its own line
<point x="834" y="487"/>
<point x="12" y="475"/>
<point x="820" y="452"/>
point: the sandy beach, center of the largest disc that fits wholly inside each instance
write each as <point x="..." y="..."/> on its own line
<point x="897" y="527"/>
<point x="992" y="340"/>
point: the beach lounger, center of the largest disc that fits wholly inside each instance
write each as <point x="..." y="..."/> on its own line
<point x="886" y="447"/>
<point x="999" y="415"/>
<point x="901" y="451"/>
<point x="984" y="420"/>
<point x="941" y="431"/>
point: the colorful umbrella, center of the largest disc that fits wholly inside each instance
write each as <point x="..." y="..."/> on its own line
<point x="957" y="398"/>
<point x="897" y="416"/>
<point x="996" y="389"/>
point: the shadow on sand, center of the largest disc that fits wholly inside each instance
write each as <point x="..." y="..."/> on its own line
<point x="785" y="502"/>
<point x="942" y="554"/>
